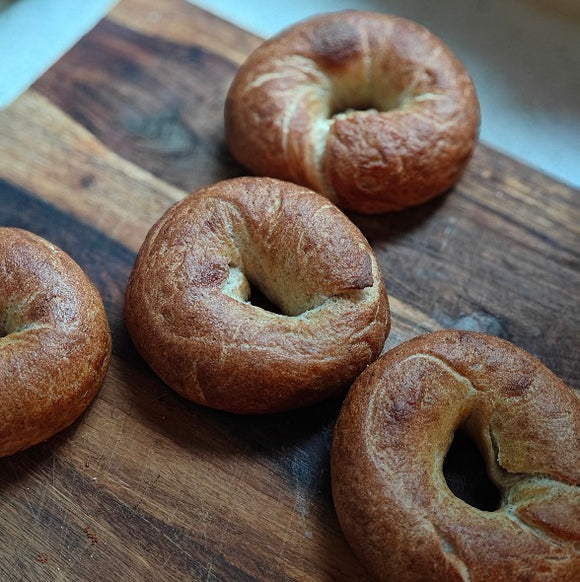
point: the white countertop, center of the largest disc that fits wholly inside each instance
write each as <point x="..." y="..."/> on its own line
<point x="34" y="34"/>
<point x="524" y="57"/>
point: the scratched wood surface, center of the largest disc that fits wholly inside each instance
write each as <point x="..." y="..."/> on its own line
<point x="146" y="486"/>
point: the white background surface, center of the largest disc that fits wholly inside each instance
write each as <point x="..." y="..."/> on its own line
<point x="524" y="56"/>
<point x="35" y="33"/>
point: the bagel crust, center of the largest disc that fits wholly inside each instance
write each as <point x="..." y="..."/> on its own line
<point x="371" y="110"/>
<point x="189" y="309"/>
<point x="394" y="430"/>
<point x="55" y="342"/>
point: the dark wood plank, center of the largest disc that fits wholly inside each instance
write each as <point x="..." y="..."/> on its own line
<point x="171" y="129"/>
<point x="484" y="258"/>
<point x="146" y="486"/>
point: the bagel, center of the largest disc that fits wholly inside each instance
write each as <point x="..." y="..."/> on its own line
<point x="189" y="299"/>
<point x="371" y="110"/>
<point x="55" y="342"/>
<point x="392" y="435"/>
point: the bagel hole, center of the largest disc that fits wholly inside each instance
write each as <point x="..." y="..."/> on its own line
<point x="466" y="474"/>
<point x="242" y="287"/>
<point x="345" y="109"/>
<point x="348" y="102"/>
<point x="259" y="299"/>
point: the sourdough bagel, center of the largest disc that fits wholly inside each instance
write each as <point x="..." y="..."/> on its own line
<point x="371" y="110"/>
<point x="392" y="435"/>
<point x="55" y="343"/>
<point x="188" y="301"/>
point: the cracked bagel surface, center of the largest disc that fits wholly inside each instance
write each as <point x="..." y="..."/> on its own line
<point x="190" y="305"/>
<point x="371" y="110"/>
<point x="394" y="431"/>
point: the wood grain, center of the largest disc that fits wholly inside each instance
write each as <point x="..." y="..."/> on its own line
<point x="146" y="486"/>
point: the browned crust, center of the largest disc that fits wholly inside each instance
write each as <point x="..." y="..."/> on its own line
<point x="187" y="308"/>
<point x="390" y="440"/>
<point x="415" y="129"/>
<point x="55" y="343"/>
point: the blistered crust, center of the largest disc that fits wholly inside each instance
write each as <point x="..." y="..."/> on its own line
<point x="371" y="110"/>
<point x="189" y="307"/>
<point x="392" y="435"/>
<point x="55" y="343"/>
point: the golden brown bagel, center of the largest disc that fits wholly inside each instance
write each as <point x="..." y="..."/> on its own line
<point x="392" y="435"/>
<point x="188" y="305"/>
<point x="371" y="110"/>
<point x="55" y="343"/>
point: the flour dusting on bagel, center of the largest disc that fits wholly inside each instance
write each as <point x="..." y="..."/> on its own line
<point x="372" y="110"/>
<point x="190" y="309"/>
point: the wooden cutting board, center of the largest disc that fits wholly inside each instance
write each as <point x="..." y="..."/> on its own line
<point x="146" y="486"/>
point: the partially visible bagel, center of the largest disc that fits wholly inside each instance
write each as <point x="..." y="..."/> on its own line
<point x="394" y="431"/>
<point x="55" y="343"/>
<point x="373" y="111"/>
<point x="189" y="302"/>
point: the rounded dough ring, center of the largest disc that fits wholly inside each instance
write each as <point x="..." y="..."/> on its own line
<point x="393" y="433"/>
<point x="188" y="303"/>
<point x="371" y="110"/>
<point x="55" y="343"/>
